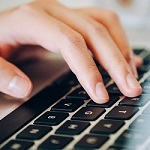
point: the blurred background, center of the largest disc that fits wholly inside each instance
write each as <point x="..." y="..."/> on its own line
<point x="133" y="14"/>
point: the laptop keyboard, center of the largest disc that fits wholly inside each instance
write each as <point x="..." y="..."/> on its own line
<point x="74" y="121"/>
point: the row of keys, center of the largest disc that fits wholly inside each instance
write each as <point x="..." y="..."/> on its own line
<point x="87" y="114"/>
<point x="70" y="105"/>
<point x="71" y="127"/>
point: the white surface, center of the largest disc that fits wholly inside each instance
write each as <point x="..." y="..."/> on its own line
<point x="5" y="4"/>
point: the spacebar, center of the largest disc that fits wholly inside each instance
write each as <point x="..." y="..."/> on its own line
<point x="29" y="110"/>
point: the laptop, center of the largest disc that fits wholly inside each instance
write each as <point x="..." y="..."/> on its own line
<point x="59" y="114"/>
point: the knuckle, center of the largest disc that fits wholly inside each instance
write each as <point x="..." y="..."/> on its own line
<point x="98" y="28"/>
<point x="93" y="72"/>
<point x="73" y="39"/>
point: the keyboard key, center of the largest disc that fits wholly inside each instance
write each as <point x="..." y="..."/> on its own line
<point x="131" y="139"/>
<point x="91" y="141"/>
<point x="107" y="126"/>
<point x="69" y="80"/>
<point x="33" y="132"/>
<point x="113" y="89"/>
<point x="79" y="94"/>
<point x="112" y="100"/>
<point x="51" y="118"/>
<point x="72" y="127"/>
<point x="146" y="87"/>
<point x="121" y="112"/>
<point x="17" y="145"/>
<point x="55" y="142"/>
<point x="141" y="123"/>
<point x="68" y="105"/>
<point x="88" y="113"/>
<point x="135" y="101"/>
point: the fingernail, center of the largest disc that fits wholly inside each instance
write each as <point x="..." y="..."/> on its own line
<point x="101" y="92"/>
<point x="19" y="87"/>
<point x="132" y="82"/>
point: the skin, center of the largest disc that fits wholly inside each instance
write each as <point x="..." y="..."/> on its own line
<point x="75" y="34"/>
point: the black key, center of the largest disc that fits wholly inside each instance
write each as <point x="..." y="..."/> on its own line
<point x="147" y="110"/>
<point x="33" y="132"/>
<point x="146" y="87"/>
<point x="135" y="101"/>
<point x="88" y="113"/>
<point x="121" y="112"/>
<point x="68" y="105"/>
<point x="91" y="141"/>
<point x="107" y="126"/>
<point x="51" y="118"/>
<point x="141" y="123"/>
<point x="131" y="139"/>
<point x="112" y="100"/>
<point x="72" y="127"/>
<point x="69" y="80"/>
<point x="79" y="94"/>
<point x="17" y="145"/>
<point x="55" y="142"/>
<point x="105" y="74"/>
<point x="113" y="89"/>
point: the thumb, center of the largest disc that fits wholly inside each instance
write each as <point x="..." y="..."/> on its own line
<point x="13" y="81"/>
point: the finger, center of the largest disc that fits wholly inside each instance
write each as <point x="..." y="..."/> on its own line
<point x="103" y="48"/>
<point x="13" y="81"/>
<point x="80" y="61"/>
<point x="55" y="36"/>
<point x="111" y="21"/>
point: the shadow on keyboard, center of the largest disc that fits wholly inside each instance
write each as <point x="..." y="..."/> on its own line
<point x="64" y="117"/>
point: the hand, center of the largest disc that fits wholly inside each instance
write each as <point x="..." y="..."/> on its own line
<point x="71" y="32"/>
